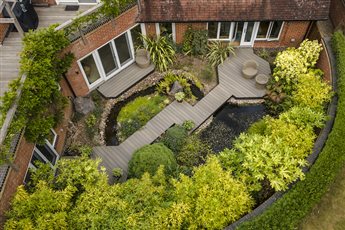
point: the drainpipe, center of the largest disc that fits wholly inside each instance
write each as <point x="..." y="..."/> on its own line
<point x="139" y="6"/>
<point x="308" y="30"/>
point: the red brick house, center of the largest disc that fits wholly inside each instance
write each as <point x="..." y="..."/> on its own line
<point x="249" y="23"/>
<point x="104" y="52"/>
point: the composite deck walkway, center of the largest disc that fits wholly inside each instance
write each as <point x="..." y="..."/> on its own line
<point x="12" y="45"/>
<point x="231" y="83"/>
<point x="124" y="80"/>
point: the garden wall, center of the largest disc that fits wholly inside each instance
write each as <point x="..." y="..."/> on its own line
<point x="337" y="14"/>
<point x="92" y="41"/>
<point x="293" y="34"/>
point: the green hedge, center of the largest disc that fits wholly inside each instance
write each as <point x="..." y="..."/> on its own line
<point x="288" y="211"/>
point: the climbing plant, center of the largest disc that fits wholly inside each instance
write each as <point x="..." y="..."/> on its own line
<point x="41" y="103"/>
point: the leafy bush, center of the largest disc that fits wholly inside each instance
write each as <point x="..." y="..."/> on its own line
<point x="149" y="158"/>
<point x="184" y="79"/>
<point x="162" y="53"/>
<point x="195" y="42"/>
<point x="218" y="52"/>
<point x="193" y="152"/>
<point x="41" y="103"/>
<point x="188" y="125"/>
<point x="211" y="198"/>
<point x="180" y="96"/>
<point x="137" y="113"/>
<point x="174" y="138"/>
<point x="311" y="91"/>
<point x="117" y="173"/>
<point x="288" y="211"/>
<point x="208" y="73"/>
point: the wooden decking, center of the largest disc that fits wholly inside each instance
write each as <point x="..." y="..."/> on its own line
<point x="12" y="45"/>
<point x="231" y="83"/>
<point x="124" y="80"/>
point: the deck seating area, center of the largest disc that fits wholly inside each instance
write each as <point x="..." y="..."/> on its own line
<point x="231" y="84"/>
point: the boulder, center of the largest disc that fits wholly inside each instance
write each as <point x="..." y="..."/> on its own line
<point x="176" y="87"/>
<point x="83" y="105"/>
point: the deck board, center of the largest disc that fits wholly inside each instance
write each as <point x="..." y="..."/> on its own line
<point x="231" y="84"/>
<point x="122" y="81"/>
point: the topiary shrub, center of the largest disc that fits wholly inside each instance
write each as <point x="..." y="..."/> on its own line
<point x="174" y="138"/>
<point x="149" y="158"/>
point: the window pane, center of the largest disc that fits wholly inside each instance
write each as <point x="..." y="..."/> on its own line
<point x="224" y="30"/>
<point x="90" y="69"/>
<point x="212" y="29"/>
<point x="107" y="57"/>
<point x="47" y="153"/>
<point x="35" y="158"/>
<point x="122" y="48"/>
<point x="238" y="31"/>
<point x="249" y="32"/>
<point x="165" y="29"/>
<point x="275" y="29"/>
<point x="263" y="28"/>
<point x="136" y="34"/>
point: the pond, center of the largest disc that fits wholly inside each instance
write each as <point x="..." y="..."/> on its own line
<point x="228" y="122"/>
<point x="111" y="129"/>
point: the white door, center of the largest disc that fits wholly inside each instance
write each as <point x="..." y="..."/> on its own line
<point x="248" y="34"/>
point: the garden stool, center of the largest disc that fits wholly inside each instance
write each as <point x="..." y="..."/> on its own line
<point x="261" y="81"/>
<point x="250" y="69"/>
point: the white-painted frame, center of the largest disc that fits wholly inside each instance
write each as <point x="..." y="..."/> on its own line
<point x="99" y="66"/>
<point x="173" y="28"/>
<point x="268" y="33"/>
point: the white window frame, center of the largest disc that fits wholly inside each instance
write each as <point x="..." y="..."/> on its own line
<point x="52" y="147"/>
<point x="173" y="28"/>
<point x="98" y="61"/>
<point x="67" y="2"/>
<point x="231" y="32"/>
<point x="267" y="38"/>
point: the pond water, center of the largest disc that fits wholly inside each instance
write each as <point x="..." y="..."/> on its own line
<point x="228" y="122"/>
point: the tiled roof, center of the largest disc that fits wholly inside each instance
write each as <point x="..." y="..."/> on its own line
<point x="232" y="10"/>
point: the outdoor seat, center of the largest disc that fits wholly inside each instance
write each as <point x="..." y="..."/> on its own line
<point x="142" y="58"/>
<point x="261" y="81"/>
<point x="250" y="69"/>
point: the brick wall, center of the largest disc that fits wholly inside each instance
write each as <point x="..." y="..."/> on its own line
<point x="181" y="28"/>
<point x="16" y="176"/>
<point x="337" y="14"/>
<point x="94" y="40"/>
<point x="323" y="62"/>
<point x="292" y="30"/>
<point x="3" y="30"/>
<point x="150" y="29"/>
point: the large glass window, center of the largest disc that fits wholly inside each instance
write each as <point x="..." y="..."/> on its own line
<point x="275" y="30"/>
<point x="165" y="29"/>
<point x="212" y="30"/>
<point x="90" y="69"/>
<point x="112" y="57"/>
<point x="107" y="56"/>
<point x="136" y="36"/>
<point x="122" y="48"/>
<point x="263" y="29"/>
<point x="269" y="30"/>
<point x="224" y="30"/>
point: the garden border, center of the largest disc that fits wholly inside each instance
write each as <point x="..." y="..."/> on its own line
<point x="318" y="145"/>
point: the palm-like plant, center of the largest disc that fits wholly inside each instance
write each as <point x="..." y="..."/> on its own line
<point x="218" y="52"/>
<point x="162" y="53"/>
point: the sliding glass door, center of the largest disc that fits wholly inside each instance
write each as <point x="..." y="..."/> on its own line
<point x="109" y="59"/>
